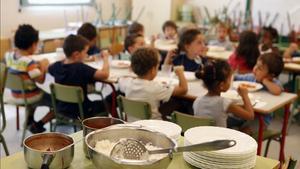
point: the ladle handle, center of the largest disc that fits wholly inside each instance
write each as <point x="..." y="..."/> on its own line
<point x="47" y="159"/>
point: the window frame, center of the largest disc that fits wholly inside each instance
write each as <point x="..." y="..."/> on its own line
<point x="25" y="3"/>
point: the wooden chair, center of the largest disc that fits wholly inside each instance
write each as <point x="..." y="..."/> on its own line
<point x="3" y="70"/>
<point x="69" y="94"/>
<point x="186" y="121"/>
<point x="134" y="108"/>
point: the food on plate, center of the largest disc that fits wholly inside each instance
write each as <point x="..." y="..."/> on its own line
<point x="248" y="86"/>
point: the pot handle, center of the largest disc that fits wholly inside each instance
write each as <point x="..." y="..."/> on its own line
<point x="47" y="159"/>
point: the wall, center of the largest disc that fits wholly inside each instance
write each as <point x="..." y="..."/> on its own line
<point x="271" y="6"/>
<point x="44" y="18"/>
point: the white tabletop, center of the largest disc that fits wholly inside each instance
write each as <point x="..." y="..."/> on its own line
<point x="267" y="102"/>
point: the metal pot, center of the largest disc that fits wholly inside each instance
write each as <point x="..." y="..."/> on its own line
<point x="95" y="123"/>
<point x="115" y="133"/>
<point x="48" y="150"/>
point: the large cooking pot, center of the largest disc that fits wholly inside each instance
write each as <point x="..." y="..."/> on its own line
<point x="48" y="150"/>
<point x="95" y="123"/>
<point x="115" y="133"/>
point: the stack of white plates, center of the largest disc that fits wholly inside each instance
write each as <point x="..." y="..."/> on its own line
<point x="240" y="156"/>
<point x="170" y="129"/>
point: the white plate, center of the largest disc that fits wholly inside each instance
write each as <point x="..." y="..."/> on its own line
<point x="166" y="80"/>
<point x="245" y="143"/>
<point x="236" y="98"/>
<point x="170" y="129"/>
<point x="251" y="86"/>
<point x="122" y="64"/>
<point x="216" y="49"/>
<point x="296" y="59"/>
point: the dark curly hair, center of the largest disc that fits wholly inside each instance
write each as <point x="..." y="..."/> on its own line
<point x="169" y="23"/>
<point x="143" y="60"/>
<point x="248" y="48"/>
<point x="213" y="73"/>
<point x="25" y="36"/>
<point x="130" y="40"/>
<point x="135" y="28"/>
<point x="74" y="43"/>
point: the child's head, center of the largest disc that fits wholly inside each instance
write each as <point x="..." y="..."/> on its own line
<point x="192" y="42"/>
<point x="222" y="31"/>
<point x="88" y="31"/>
<point x="133" y="42"/>
<point x="145" y="62"/>
<point x="269" y="65"/>
<point x="76" y="47"/>
<point x="26" y="38"/>
<point x="269" y="36"/>
<point x="170" y="29"/>
<point x="216" y="76"/>
<point x="136" y="28"/>
<point x="248" y="48"/>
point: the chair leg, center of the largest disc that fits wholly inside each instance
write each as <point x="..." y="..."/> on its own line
<point x="25" y="126"/>
<point x="75" y="128"/>
<point x="18" y="118"/>
<point x="267" y="147"/>
<point x="4" y="145"/>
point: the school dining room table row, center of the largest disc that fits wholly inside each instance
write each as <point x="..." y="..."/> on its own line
<point x="264" y="103"/>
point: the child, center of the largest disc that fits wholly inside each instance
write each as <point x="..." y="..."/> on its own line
<point x="266" y="71"/>
<point x="131" y="44"/>
<point x="291" y="51"/>
<point x="88" y="31"/>
<point x="144" y="63"/>
<point x="222" y="39"/>
<point x="269" y="36"/>
<point x="191" y="47"/>
<point x="246" y="54"/>
<point x="72" y="71"/>
<point x="170" y="30"/>
<point x="136" y="28"/>
<point x="19" y="62"/>
<point x="217" y="77"/>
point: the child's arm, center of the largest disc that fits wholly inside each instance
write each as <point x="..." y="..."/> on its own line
<point x="289" y="51"/>
<point x="103" y="73"/>
<point x="182" y="88"/>
<point x="43" y="67"/>
<point x="272" y="87"/>
<point x="245" y="112"/>
<point x="169" y="57"/>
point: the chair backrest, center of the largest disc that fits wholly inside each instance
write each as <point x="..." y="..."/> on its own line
<point x="3" y="70"/>
<point x="134" y="108"/>
<point x="68" y="94"/>
<point x="186" y="121"/>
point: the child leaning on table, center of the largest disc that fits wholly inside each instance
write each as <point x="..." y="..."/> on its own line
<point x="19" y="62"/>
<point x="217" y="78"/>
<point x="144" y="63"/>
<point x="72" y="71"/>
<point x="267" y="69"/>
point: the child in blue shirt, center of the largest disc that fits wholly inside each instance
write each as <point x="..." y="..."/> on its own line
<point x="267" y="69"/>
<point x="191" y="47"/>
<point x="88" y="31"/>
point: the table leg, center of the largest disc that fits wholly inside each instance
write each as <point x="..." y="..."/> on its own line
<point x="283" y="132"/>
<point x="260" y="133"/>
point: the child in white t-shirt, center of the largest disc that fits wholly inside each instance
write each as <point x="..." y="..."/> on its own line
<point x="144" y="63"/>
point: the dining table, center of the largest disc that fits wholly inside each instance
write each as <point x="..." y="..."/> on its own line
<point x="17" y="160"/>
<point x="266" y="103"/>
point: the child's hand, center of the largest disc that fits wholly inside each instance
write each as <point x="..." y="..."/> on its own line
<point x="105" y="54"/>
<point x="178" y="70"/>
<point x="243" y="92"/>
<point x="44" y="64"/>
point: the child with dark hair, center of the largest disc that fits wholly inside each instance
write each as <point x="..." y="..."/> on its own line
<point x="268" y="38"/>
<point x="169" y="29"/>
<point x="267" y="69"/>
<point x="132" y="43"/>
<point x="144" y="63"/>
<point x="222" y="38"/>
<point x="136" y="28"/>
<point x="89" y="31"/>
<point x="246" y="54"/>
<point x="20" y="63"/>
<point x="72" y="71"/>
<point x="191" y="47"/>
<point x="217" y="77"/>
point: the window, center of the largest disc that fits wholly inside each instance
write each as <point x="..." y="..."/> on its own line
<point x="55" y="2"/>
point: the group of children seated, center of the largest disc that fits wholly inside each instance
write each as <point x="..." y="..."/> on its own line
<point x="248" y="62"/>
